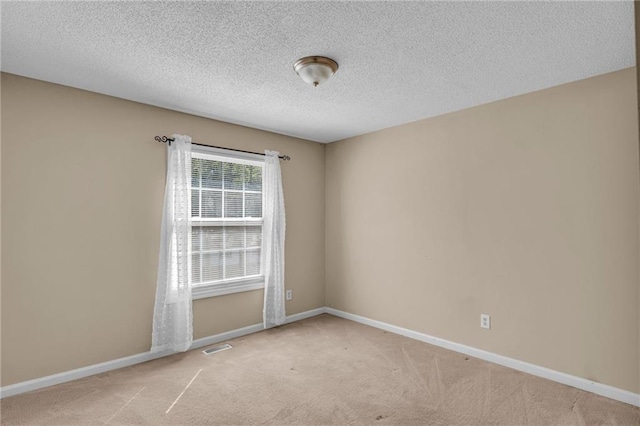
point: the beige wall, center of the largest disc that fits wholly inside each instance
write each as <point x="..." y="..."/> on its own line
<point x="82" y="188"/>
<point x="525" y="209"/>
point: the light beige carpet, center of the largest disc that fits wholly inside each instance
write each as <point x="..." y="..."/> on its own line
<point x="323" y="370"/>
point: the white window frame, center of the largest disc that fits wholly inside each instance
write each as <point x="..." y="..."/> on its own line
<point x="235" y="285"/>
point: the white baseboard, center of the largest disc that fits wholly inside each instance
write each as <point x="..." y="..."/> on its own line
<point x="556" y="376"/>
<point x="306" y="314"/>
<point x="217" y="338"/>
<point x="78" y="373"/>
<point x="210" y="340"/>
<point x="90" y="370"/>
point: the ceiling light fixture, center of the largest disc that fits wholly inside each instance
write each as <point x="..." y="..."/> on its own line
<point x="315" y="69"/>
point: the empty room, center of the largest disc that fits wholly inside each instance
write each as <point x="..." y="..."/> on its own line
<point x="313" y="213"/>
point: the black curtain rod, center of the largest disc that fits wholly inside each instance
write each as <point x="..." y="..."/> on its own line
<point x="165" y="139"/>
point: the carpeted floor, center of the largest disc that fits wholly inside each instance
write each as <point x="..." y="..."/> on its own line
<point x="323" y="370"/>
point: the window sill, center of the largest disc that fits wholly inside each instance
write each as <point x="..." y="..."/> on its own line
<point x="212" y="290"/>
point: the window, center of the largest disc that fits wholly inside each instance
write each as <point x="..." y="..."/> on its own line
<point x="226" y="230"/>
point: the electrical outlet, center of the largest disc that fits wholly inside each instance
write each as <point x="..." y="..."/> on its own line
<point x="289" y="295"/>
<point x="485" y="321"/>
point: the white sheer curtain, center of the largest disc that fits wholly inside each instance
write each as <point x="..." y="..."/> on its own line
<point x="273" y="242"/>
<point x="172" y="317"/>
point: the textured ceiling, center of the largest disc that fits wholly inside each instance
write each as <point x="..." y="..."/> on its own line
<point x="233" y="61"/>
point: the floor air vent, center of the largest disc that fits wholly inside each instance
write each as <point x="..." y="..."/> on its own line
<point x="214" y="349"/>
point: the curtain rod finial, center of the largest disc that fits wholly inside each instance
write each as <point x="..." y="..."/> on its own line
<point x="163" y="139"/>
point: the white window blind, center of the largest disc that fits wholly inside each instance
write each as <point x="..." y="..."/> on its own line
<point x="226" y="211"/>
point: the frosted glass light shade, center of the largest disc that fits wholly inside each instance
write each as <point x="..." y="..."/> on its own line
<point x="315" y="69"/>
